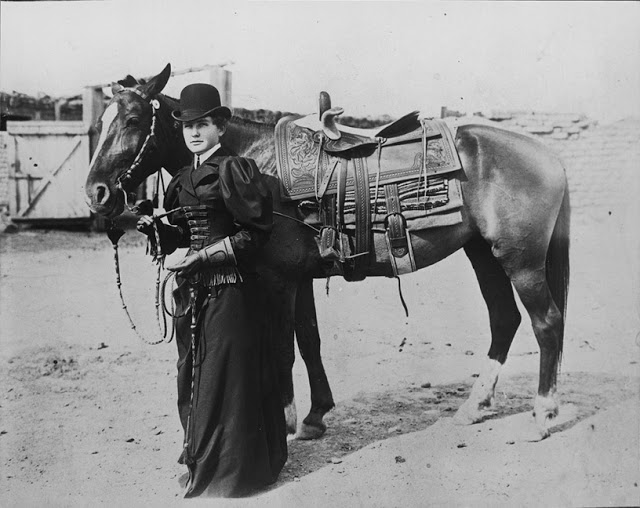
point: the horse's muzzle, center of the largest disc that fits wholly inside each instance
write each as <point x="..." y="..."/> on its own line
<point x="105" y="200"/>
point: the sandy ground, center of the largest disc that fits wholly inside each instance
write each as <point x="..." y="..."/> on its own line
<point x="88" y="417"/>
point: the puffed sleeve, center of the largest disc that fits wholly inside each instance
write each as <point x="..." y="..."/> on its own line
<point x="249" y="201"/>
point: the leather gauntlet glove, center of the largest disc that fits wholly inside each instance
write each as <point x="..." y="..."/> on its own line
<point x="217" y="254"/>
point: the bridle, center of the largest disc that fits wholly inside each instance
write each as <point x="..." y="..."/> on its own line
<point x="114" y="233"/>
<point x="148" y="144"/>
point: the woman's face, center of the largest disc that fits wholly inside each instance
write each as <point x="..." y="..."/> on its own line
<point x="201" y="135"/>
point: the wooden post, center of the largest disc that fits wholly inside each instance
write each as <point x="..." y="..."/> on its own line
<point x="221" y="79"/>
<point x="92" y="108"/>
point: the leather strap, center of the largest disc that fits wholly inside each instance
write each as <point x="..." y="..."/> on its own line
<point x="342" y="189"/>
<point x="328" y="240"/>
<point x="328" y="211"/>
<point x="326" y="179"/>
<point x="398" y="238"/>
<point x="363" y="220"/>
<point x="396" y="226"/>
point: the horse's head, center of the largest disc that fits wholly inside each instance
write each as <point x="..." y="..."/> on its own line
<point x="127" y="150"/>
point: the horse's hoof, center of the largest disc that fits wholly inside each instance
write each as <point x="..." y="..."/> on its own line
<point x="308" y="431"/>
<point x="534" y="434"/>
<point x="468" y="414"/>
<point x="545" y="409"/>
<point x="463" y="417"/>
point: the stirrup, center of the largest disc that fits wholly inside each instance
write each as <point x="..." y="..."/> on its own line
<point x="328" y="244"/>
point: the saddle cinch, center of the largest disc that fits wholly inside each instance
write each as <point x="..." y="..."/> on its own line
<point x="397" y="178"/>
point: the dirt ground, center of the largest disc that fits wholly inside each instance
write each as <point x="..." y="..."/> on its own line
<point x="88" y="416"/>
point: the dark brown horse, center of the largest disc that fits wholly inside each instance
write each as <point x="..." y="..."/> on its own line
<point x="515" y="232"/>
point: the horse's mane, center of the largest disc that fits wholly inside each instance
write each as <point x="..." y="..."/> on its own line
<point x="258" y="117"/>
<point x="253" y="125"/>
<point x="169" y="98"/>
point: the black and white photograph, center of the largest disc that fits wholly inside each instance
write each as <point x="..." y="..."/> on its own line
<point x="319" y="253"/>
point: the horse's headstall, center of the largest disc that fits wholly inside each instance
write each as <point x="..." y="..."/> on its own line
<point x="127" y="176"/>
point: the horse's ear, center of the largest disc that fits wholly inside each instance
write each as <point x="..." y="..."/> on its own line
<point x="156" y="84"/>
<point x="129" y="81"/>
<point x="116" y="88"/>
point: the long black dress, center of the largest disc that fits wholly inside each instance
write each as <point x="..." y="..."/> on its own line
<point x="232" y="415"/>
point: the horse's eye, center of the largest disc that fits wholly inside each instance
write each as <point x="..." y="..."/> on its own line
<point x="134" y="121"/>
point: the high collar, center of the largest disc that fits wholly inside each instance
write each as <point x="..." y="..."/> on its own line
<point x="190" y="177"/>
<point x="204" y="156"/>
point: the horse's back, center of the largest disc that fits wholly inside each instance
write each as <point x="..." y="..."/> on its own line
<point x="482" y="143"/>
<point x="514" y="184"/>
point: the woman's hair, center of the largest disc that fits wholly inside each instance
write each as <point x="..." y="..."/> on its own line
<point x="219" y="121"/>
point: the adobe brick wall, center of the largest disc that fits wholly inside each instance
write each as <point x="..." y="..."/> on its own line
<point x="602" y="162"/>
<point x="603" y="169"/>
<point x="558" y="126"/>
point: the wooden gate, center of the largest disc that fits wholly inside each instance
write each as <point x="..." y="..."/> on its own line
<point x="51" y="160"/>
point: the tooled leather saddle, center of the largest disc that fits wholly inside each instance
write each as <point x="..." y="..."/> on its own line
<point x="349" y="179"/>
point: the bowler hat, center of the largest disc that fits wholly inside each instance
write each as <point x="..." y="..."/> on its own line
<point x="199" y="100"/>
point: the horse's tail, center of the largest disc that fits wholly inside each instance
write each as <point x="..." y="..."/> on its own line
<point x="557" y="264"/>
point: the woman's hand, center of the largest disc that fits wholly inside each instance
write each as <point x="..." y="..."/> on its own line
<point x="187" y="266"/>
<point x="145" y="225"/>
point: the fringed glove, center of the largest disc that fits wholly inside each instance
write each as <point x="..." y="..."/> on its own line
<point x="216" y="254"/>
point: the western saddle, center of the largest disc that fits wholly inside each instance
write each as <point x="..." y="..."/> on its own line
<point x="342" y="139"/>
<point x="336" y="148"/>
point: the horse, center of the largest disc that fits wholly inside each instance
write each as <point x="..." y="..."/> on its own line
<point x="514" y="230"/>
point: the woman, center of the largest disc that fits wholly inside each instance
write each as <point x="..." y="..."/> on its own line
<point x="230" y="409"/>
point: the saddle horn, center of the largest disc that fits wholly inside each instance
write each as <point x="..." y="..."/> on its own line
<point x="329" y="126"/>
<point x="324" y="103"/>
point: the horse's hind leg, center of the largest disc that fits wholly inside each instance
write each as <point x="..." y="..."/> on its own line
<point x="504" y="319"/>
<point x="548" y="326"/>
<point x="308" y="338"/>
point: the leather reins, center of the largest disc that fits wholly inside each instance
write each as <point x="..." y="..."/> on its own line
<point x="114" y="233"/>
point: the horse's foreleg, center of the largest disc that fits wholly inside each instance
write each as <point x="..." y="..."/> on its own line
<point x="504" y="319"/>
<point x="281" y="300"/>
<point x="307" y="334"/>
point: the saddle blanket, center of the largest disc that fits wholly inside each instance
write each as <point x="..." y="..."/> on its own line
<point x="302" y="165"/>
<point x="435" y="205"/>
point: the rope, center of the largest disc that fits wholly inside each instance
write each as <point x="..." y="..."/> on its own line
<point x="161" y="321"/>
<point x="124" y="305"/>
<point x="161" y="317"/>
<point x="404" y="305"/>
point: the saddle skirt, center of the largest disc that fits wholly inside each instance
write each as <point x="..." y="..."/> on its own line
<point x="303" y="165"/>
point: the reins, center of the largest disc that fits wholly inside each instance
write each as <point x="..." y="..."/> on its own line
<point x="114" y="233"/>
